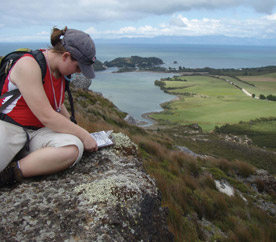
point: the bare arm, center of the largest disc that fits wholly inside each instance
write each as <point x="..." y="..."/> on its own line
<point x="65" y="112"/>
<point x="25" y="74"/>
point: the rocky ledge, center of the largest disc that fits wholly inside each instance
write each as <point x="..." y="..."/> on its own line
<point x="80" y="81"/>
<point x="106" y="197"/>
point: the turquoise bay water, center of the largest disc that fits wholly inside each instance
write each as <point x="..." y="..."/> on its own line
<point x="135" y="92"/>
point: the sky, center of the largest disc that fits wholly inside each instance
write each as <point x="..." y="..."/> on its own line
<point x="23" y="21"/>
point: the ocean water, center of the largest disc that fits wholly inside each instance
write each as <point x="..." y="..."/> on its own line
<point x="132" y="92"/>
<point x="6" y="48"/>
<point x="194" y="56"/>
<point x="135" y="92"/>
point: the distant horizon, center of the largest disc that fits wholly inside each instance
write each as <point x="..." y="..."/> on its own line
<point x="189" y="40"/>
<point x="195" y="55"/>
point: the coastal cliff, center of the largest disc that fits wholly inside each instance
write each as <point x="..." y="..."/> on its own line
<point x="106" y="197"/>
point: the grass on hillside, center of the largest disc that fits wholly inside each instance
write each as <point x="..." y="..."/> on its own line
<point x="211" y="102"/>
<point x="214" y="144"/>
<point x="188" y="190"/>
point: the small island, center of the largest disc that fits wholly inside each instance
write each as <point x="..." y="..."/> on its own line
<point x="137" y="63"/>
<point x="134" y="63"/>
<point x="99" y="66"/>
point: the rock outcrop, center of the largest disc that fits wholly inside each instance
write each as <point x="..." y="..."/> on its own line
<point x="80" y="81"/>
<point x="130" y="120"/>
<point x="264" y="185"/>
<point x="106" y="197"/>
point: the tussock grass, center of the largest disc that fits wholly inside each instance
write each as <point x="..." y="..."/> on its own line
<point x="92" y="127"/>
<point x="190" y="182"/>
<point x="244" y="169"/>
<point x="223" y="164"/>
<point x="152" y="148"/>
<point x="229" y="167"/>
<point x="187" y="187"/>
<point x="241" y="233"/>
<point x="207" y="181"/>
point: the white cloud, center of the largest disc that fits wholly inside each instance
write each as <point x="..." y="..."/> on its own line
<point x="120" y="18"/>
<point x="91" y="31"/>
<point x="177" y="21"/>
<point x="182" y="26"/>
<point x="26" y="12"/>
<point x="258" y="27"/>
<point x="43" y="33"/>
<point x="271" y="17"/>
<point x="127" y="30"/>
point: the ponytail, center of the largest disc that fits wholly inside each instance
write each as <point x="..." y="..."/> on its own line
<point x="56" y="39"/>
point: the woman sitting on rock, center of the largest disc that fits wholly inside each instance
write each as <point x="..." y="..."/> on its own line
<point x="55" y="143"/>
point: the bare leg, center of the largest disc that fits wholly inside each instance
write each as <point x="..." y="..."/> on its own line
<point x="48" y="160"/>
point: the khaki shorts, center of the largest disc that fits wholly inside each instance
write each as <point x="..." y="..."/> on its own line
<point x="13" y="139"/>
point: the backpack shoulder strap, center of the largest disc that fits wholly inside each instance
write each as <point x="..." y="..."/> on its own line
<point x="71" y="101"/>
<point x="10" y="59"/>
<point x="40" y="58"/>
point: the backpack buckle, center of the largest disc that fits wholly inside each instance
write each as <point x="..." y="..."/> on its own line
<point x="8" y="66"/>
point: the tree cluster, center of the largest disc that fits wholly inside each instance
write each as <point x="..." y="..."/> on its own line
<point x="269" y="97"/>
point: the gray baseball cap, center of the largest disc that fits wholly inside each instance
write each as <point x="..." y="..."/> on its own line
<point x="82" y="48"/>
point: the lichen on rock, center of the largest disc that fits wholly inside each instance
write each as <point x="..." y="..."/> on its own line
<point x="108" y="196"/>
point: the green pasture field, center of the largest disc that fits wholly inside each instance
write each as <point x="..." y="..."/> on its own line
<point x="265" y="84"/>
<point x="211" y="102"/>
<point x="251" y="89"/>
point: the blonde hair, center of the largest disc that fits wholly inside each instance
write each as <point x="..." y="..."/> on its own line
<point x="56" y="40"/>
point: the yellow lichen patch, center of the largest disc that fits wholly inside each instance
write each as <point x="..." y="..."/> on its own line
<point x="112" y="189"/>
<point x="122" y="140"/>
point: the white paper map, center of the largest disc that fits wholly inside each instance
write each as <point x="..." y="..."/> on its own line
<point x="103" y="138"/>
